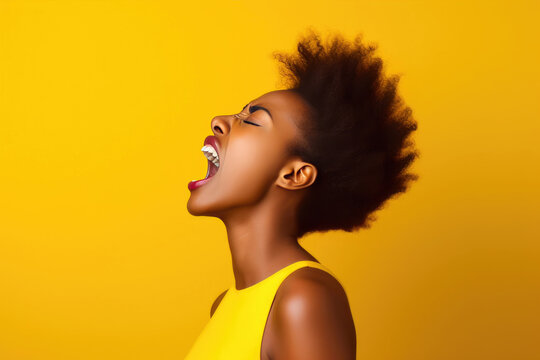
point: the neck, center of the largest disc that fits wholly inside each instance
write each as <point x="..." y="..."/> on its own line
<point x="262" y="240"/>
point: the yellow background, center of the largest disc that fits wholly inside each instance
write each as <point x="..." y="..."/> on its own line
<point x="104" y="106"/>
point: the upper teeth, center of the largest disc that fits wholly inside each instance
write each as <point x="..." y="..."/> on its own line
<point x="211" y="154"/>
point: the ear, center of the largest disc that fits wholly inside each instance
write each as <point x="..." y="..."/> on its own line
<point x="296" y="174"/>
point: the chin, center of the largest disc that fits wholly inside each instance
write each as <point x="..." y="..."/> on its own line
<point x="193" y="209"/>
<point x="197" y="209"/>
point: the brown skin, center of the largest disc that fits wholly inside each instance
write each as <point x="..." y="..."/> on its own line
<point x="256" y="193"/>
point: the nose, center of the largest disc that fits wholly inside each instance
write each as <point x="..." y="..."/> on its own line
<point x="220" y="126"/>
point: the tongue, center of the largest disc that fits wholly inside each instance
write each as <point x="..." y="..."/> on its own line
<point x="212" y="169"/>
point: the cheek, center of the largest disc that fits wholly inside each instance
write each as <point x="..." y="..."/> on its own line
<point x="251" y="164"/>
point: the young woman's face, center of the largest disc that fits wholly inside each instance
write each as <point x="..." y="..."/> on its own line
<point x="252" y="149"/>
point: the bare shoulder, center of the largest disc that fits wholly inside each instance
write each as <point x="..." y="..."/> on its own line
<point x="312" y="281"/>
<point x="311" y="318"/>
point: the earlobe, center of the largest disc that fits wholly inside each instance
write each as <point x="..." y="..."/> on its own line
<point x="296" y="175"/>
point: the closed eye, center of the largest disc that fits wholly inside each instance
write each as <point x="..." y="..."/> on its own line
<point x="249" y="122"/>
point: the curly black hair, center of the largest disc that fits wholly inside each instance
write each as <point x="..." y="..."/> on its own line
<point x="356" y="132"/>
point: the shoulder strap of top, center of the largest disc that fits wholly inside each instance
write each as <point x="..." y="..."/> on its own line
<point x="306" y="263"/>
<point x="277" y="278"/>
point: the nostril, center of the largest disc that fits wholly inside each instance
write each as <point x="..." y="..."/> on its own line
<point x="218" y="128"/>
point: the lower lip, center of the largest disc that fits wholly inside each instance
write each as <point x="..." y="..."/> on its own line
<point x="194" y="184"/>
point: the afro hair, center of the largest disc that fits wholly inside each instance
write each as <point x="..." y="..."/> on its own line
<point x="356" y="132"/>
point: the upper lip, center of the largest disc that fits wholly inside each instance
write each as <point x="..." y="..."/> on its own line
<point x="214" y="142"/>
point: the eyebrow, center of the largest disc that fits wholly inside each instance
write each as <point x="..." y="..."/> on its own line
<point x="254" y="108"/>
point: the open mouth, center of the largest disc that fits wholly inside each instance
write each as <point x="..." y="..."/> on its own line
<point x="213" y="166"/>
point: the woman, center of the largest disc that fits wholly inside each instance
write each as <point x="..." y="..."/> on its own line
<point x="321" y="155"/>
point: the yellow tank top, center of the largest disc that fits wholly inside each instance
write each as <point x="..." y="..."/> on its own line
<point x="235" y="331"/>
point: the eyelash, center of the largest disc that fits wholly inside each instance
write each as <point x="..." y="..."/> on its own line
<point x="249" y="122"/>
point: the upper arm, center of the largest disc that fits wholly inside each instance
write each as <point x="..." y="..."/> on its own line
<point x="313" y="320"/>
<point x="216" y="303"/>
